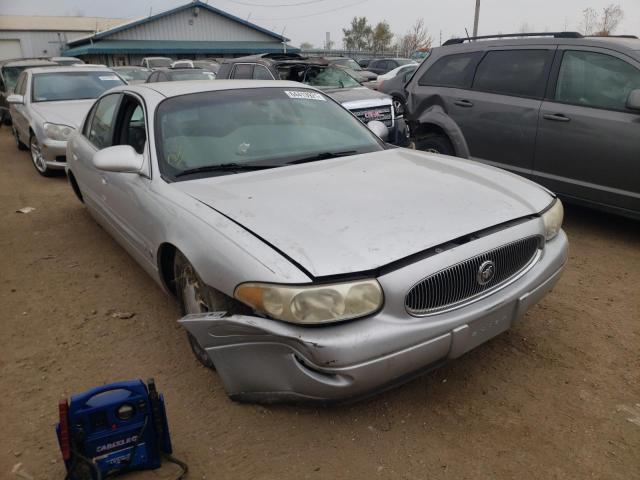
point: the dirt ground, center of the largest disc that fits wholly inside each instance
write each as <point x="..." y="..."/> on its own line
<point x="556" y="397"/>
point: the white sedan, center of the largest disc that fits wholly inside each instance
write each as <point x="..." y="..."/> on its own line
<point x="312" y="261"/>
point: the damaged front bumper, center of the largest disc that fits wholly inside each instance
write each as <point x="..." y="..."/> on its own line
<point x="263" y="360"/>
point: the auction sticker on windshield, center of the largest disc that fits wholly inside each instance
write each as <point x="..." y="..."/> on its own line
<point x="304" y="95"/>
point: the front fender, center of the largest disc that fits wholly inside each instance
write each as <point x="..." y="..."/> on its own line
<point x="435" y="115"/>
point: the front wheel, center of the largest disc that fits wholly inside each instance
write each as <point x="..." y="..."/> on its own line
<point x="194" y="296"/>
<point x="435" y="143"/>
<point x="36" y="157"/>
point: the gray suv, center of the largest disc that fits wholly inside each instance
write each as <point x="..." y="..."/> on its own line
<point x="559" y="108"/>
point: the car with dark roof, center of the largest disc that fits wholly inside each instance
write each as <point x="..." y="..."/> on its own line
<point x="380" y="66"/>
<point x="560" y="108"/>
<point x="366" y="104"/>
<point x="10" y="70"/>
<point x="353" y="68"/>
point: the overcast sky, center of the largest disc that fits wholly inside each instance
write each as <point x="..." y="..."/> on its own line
<point x="310" y="21"/>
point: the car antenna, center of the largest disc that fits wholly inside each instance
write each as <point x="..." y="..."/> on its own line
<point x="467" y="32"/>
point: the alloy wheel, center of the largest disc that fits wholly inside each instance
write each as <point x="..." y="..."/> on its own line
<point x="36" y="155"/>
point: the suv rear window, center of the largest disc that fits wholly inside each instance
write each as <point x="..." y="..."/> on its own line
<point x="521" y="73"/>
<point x="451" y="71"/>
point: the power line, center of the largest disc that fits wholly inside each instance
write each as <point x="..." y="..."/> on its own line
<point x="315" y="14"/>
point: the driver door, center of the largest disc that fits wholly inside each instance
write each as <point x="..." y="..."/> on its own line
<point x="128" y="197"/>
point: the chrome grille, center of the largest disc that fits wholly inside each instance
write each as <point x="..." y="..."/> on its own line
<point x="382" y="114"/>
<point x="459" y="284"/>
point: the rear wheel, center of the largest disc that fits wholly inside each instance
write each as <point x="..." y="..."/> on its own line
<point x="435" y="143"/>
<point x="195" y="296"/>
<point x="36" y="157"/>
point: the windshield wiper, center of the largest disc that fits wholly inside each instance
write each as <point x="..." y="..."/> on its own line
<point x="225" y="167"/>
<point x="322" y="156"/>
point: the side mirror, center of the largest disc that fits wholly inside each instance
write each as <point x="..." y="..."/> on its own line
<point x="15" y="98"/>
<point x="120" y="158"/>
<point x="380" y="129"/>
<point x="633" y="101"/>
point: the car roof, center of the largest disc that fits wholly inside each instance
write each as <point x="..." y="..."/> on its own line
<point x="174" y="89"/>
<point x="27" y="62"/>
<point x="69" y="69"/>
<point x="625" y="44"/>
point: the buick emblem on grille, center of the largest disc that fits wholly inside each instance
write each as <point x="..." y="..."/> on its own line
<point x="486" y="272"/>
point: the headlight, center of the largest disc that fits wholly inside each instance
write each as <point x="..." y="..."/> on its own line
<point x="58" y="132"/>
<point x="313" y="304"/>
<point x="552" y="219"/>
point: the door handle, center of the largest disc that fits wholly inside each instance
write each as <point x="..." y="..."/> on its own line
<point x="556" y="117"/>
<point x="463" y="103"/>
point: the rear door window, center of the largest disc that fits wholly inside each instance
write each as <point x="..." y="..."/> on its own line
<point x="451" y="71"/>
<point x="260" y="72"/>
<point x="243" y="71"/>
<point x="596" y="80"/>
<point x="521" y="73"/>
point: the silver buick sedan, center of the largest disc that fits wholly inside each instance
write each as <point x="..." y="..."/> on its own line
<point x="48" y="105"/>
<point x="312" y="261"/>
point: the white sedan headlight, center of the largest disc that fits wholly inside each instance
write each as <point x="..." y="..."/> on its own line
<point x="58" y="132"/>
<point x="552" y="219"/>
<point x="313" y="304"/>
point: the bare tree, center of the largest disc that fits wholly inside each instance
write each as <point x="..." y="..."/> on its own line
<point x="611" y="18"/>
<point x="525" y="28"/>
<point x="606" y="24"/>
<point x="417" y="38"/>
<point x="589" y="20"/>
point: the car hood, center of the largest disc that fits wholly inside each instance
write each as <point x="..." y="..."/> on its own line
<point x="358" y="213"/>
<point x="354" y="97"/>
<point x="70" y="112"/>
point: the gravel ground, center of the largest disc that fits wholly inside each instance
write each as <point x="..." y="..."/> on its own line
<point x="556" y="397"/>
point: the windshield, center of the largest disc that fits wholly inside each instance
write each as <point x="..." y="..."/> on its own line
<point x="193" y="75"/>
<point x="319" y="76"/>
<point x="349" y="63"/>
<point x="54" y="87"/>
<point x="10" y="75"/>
<point x="134" y="73"/>
<point x="404" y="61"/>
<point x="159" y="62"/>
<point x="265" y="126"/>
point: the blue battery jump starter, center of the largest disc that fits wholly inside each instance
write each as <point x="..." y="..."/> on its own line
<point x="113" y="429"/>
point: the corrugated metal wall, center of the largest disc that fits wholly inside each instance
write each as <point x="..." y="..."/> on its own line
<point x="41" y="44"/>
<point x="185" y="26"/>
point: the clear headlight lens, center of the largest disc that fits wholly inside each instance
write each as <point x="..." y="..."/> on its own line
<point x="552" y="219"/>
<point x="58" y="132"/>
<point x="313" y="304"/>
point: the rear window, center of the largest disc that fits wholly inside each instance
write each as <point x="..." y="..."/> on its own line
<point x="54" y="87"/>
<point x="451" y="71"/>
<point x="520" y="73"/>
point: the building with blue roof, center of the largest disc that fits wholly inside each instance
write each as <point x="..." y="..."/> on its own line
<point x="194" y="30"/>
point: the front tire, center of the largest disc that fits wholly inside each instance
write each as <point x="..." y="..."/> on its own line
<point x="435" y="143"/>
<point x="194" y="296"/>
<point x="36" y="157"/>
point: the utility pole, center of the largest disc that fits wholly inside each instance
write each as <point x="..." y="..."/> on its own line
<point x="476" y="19"/>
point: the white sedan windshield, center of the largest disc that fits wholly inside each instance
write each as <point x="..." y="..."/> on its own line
<point x="259" y="127"/>
<point x="59" y="86"/>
